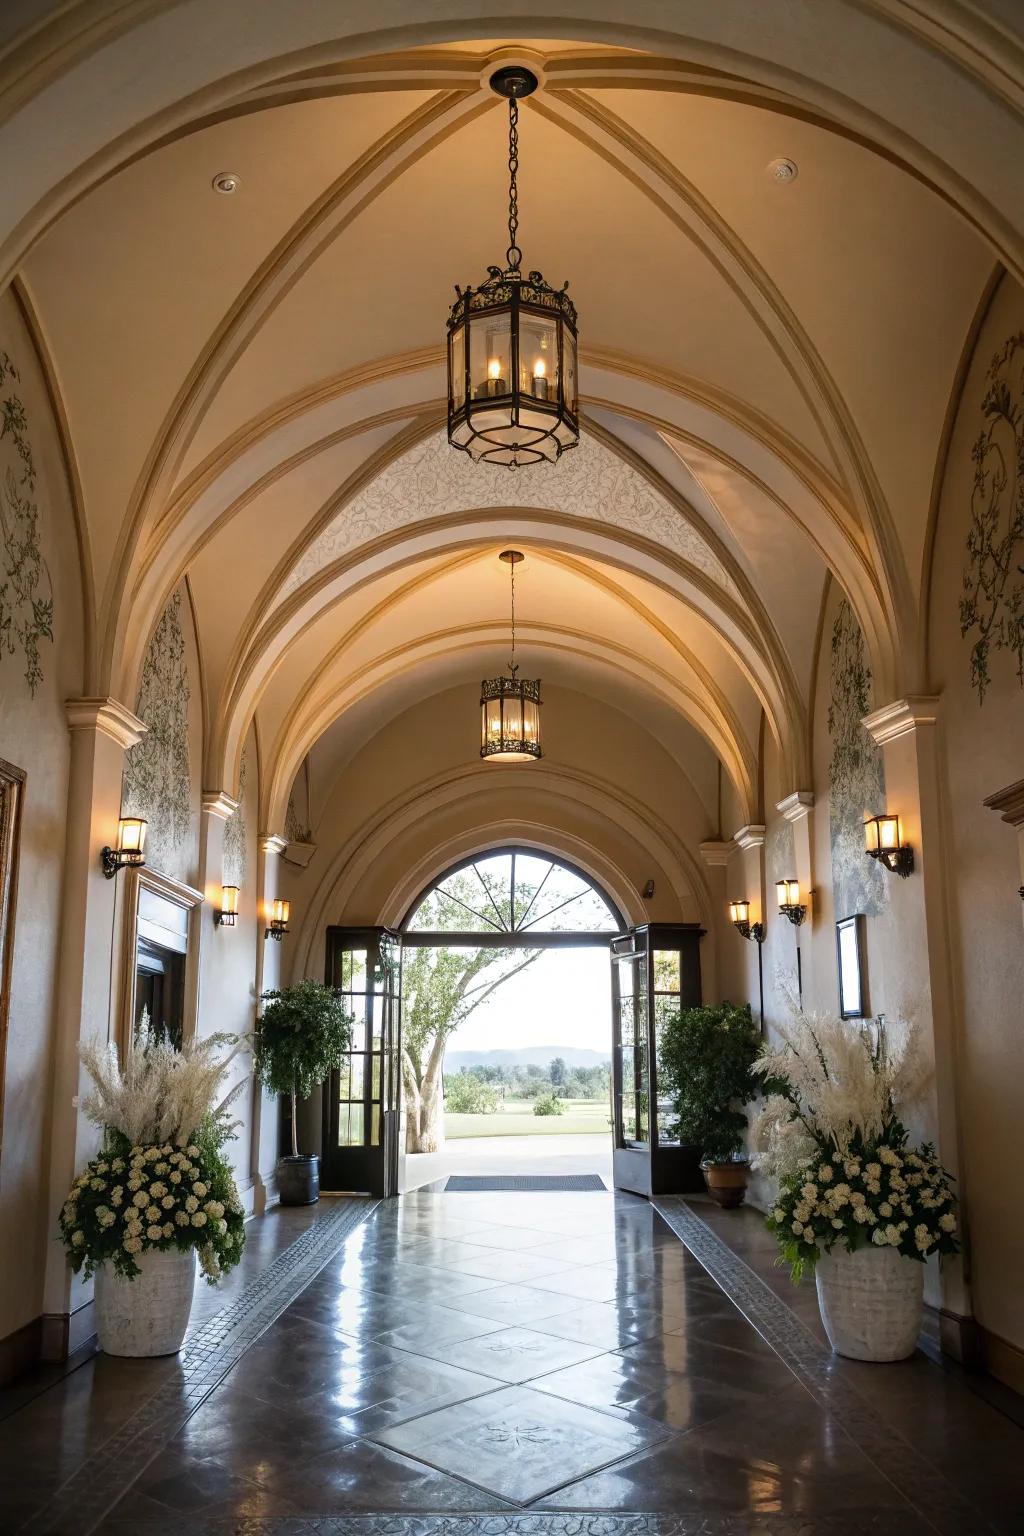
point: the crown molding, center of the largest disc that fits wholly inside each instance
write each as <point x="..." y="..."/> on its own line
<point x="108" y="716"/>
<point x="751" y="836"/>
<point x="902" y="717"/>
<point x="218" y="803"/>
<point x="1008" y="803"/>
<point x="717" y="854"/>
<point x="797" y="805"/>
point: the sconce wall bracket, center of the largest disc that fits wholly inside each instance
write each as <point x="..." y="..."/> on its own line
<point x="275" y="931"/>
<point x="796" y="914"/>
<point x="753" y="931"/>
<point x="114" y="859"/>
<point x="899" y="860"/>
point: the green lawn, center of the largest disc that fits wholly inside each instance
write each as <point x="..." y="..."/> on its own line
<point x="583" y="1117"/>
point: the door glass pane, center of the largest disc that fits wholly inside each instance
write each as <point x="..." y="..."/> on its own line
<point x="666" y="970"/>
<point x="350" y="1125"/>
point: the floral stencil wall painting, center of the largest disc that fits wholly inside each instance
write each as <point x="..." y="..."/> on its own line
<point x="157" y="777"/>
<point x="992" y="596"/>
<point x="855" y="773"/>
<point x="26" y="593"/>
<point x="236" y="832"/>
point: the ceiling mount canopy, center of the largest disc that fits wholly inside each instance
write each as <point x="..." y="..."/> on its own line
<point x="510" y="706"/>
<point x="512" y="390"/>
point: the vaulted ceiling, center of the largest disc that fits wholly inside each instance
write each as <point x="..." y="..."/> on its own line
<point x="253" y="388"/>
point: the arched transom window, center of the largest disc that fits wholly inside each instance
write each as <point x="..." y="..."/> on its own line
<point x="513" y="893"/>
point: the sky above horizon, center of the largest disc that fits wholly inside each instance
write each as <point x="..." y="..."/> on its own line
<point x="563" y="998"/>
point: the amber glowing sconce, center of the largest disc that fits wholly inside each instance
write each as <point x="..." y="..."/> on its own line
<point x="227" y="917"/>
<point x="130" y="851"/>
<point x="788" y="895"/>
<point x="739" y="916"/>
<point x="883" y="840"/>
<point x="280" y="912"/>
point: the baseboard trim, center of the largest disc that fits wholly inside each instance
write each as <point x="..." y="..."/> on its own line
<point x="20" y="1351"/>
<point x="1003" y="1360"/>
<point x="66" y="1333"/>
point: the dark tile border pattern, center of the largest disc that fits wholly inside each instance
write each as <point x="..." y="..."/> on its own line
<point x="929" y="1492"/>
<point x="583" y="1524"/>
<point x="207" y="1356"/>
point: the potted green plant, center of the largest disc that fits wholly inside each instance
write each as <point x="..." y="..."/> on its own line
<point x="858" y="1206"/>
<point x="705" y="1061"/>
<point x="304" y="1032"/>
<point x="159" y="1192"/>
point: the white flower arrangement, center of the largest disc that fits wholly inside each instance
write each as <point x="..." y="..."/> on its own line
<point x="161" y="1179"/>
<point x="829" y="1130"/>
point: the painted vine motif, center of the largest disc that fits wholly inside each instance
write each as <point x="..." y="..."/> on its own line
<point x="855" y="772"/>
<point x="26" y="591"/>
<point x="236" y="832"/>
<point x="157" y="776"/>
<point x="992" y="596"/>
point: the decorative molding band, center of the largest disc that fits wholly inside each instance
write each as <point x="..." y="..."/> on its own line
<point x="272" y="842"/>
<point x="1008" y="803"/>
<point x="108" y="716"/>
<point x="902" y="717"/>
<point x="751" y="836"/>
<point x="717" y="855"/>
<point x="797" y="805"/>
<point x="217" y="802"/>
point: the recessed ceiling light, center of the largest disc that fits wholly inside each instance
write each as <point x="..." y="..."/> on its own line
<point x="782" y="170"/>
<point x="226" y="182"/>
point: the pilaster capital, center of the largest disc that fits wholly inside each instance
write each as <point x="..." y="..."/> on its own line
<point x="717" y="854"/>
<point x="218" y="803"/>
<point x="272" y="842"/>
<point x="750" y="836"/>
<point x="902" y="717"/>
<point x="1008" y="803"/>
<point x="108" y="716"/>
<point x="797" y="805"/>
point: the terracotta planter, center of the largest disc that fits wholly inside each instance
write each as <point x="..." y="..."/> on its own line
<point x="298" y="1180"/>
<point x="727" y="1182"/>
<point x="872" y="1302"/>
<point x="147" y="1315"/>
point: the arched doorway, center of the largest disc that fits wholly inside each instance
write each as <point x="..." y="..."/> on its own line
<point x="474" y="927"/>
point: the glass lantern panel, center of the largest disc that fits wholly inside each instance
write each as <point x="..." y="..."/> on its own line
<point x="569" y="373"/>
<point x="491" y="723"/>
<point x="490" y="355"/>
<point x="531" y="721"/>
<point x="457" y="366"/>
<point x="538" y="357"/>
<point x="513" y="720"/>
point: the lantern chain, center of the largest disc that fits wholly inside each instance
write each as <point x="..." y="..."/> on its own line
<point x="513" y="255"/>
<point x="512" y="666"/>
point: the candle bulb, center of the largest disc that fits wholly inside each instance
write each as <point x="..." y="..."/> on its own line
<point x="494" y="384"/>
<point x="540" y="384"/>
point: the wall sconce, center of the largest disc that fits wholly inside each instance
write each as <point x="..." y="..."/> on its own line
<point x="130" y="850"/>
<point x="279" y="914"/>
<point x="883" y="840"/>
<point x="739" y="916"/>
<point x="228" y="914"/>
<point x="790" y="905"/>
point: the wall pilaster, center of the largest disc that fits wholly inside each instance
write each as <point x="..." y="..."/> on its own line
<point x="101" y="731"/>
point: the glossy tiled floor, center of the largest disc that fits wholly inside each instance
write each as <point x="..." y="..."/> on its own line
<point x="550" y="1353"/>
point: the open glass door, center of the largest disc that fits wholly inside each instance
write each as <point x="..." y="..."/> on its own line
<point x="655" y="972"/>
<point x="363" y="1144"/>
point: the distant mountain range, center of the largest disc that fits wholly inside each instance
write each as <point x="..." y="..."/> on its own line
<point x="526" y="1056"/>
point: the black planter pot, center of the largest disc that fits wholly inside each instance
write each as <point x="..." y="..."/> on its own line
<point x="298" y="1180"/>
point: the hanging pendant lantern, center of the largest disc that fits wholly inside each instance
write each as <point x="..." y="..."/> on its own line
<point x="510" y="706"/>
<point x="512" y="392"/>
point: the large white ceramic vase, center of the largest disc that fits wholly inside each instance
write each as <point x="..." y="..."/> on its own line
<point x="149" y="1314"/>
<point x="872" y="1302"/>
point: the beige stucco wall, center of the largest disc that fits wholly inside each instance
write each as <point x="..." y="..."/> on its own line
<point x="985" y="753"/>
<point x="34" y="737"/>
